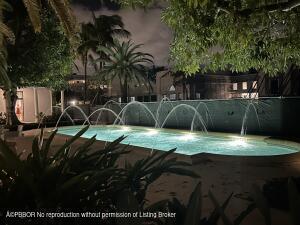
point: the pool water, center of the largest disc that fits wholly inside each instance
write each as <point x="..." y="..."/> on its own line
<point x="185" y="142"/>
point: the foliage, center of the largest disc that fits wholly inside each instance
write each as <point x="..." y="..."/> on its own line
<point x="94" y="5"/>
<point x="124" y="62"/>
<point x="262" y="40"/>
<point x="212" y="35"/>
<point x="2" y="118"/>
<point x="79" y="178"/>
<point x="62" y="11"/>
<point x="191" y="214"/>
<point x="276" y="192"/>
<point x="76" y="177"/>
<point x="152" y="72"/>
<point x="101" y="31"/>
<point x="33" y="8"/>
<point x="40" y="59"/>
<point x="6" y="34"/>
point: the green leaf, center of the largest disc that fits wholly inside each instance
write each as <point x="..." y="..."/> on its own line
<point x="244" y="214"/>
<point x="61" y="150"/>
<point x="194" y="207"/>
<point x="225" y="219"/>
<point x="46" y="146"/>
<point x="214" y="217"/>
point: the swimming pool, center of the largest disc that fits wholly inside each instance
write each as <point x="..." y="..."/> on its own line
<point x="188" y="143"/>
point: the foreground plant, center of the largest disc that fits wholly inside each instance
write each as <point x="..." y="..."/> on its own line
<point x="76" y="178"/>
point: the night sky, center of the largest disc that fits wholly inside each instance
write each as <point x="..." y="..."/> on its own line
<point x="145" y="26"/>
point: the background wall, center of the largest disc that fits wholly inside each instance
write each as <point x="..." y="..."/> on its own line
<point x="267" y="116"/>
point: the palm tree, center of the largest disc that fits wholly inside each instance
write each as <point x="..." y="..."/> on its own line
<point x="101" y="31"/>
<point x="33" y="9"/>
<point x="6" y="36"/>
<point x="125" y="63"/>
<point x="151" y="77"/>
<point x="60" y="7"/>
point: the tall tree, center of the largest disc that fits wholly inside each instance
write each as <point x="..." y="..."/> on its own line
<point x="101" y="31"/>
<point x="33" y="8"/>
<point x="233" y="35"/>
<point x="40" y="59"/>
<point x="125" y="63"/>
<point x="151" y="77"/>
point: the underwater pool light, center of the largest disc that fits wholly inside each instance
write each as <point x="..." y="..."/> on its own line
<point x="124" y="128"/>
<point x="238" y="142"/>
<point x="152" y="132"/>
<point x="187" y="137"/>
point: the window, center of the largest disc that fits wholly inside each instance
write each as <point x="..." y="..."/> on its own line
<point x="180" y="96"/>
<point x="245" y="86"/>
<point x="120" y="99"/>
<point x="254" y="84"/>
<point x="274" y="86"/>
<point x="198" y="95"/>
<point x="146" y="98"/>
<point x="254" y="95"/>
<point x="132" y="99"/>
<point x="172" y="96"/>
<point x="153" y="98"/>
<point x="245" y="95"/>
<point x="234" y="86"/>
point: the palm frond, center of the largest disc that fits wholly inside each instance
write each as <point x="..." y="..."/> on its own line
<point x="33" y="8"/>
<point x="64" y="13"/>
<point x="7" y="32"/>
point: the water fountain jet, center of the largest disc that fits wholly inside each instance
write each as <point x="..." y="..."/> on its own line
<point x="123" y="111"/>
<point x="245" y="118"/>
<point x="188" y="107"/>
<point x="72" y="106"/>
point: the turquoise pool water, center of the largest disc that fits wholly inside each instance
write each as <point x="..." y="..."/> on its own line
<point x="186" y="142"/>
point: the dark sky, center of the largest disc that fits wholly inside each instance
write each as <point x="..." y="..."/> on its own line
<point x="145" y="26"/>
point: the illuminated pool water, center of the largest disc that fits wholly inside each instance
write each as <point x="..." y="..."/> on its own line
<point x="186" y="143"/>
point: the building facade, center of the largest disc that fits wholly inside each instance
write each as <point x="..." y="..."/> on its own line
<point x="177" y="86"/>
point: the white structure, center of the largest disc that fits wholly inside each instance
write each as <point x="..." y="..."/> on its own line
<point x="31" y="102"/>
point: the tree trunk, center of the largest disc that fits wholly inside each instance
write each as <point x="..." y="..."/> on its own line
<point x="10" y="97"/>
<point x="85" y="84"/>
<point x="183" y="90"/>
<point x="62" y="100"/>
<point x="124" y="90"/>
<point x="149" y="94"/>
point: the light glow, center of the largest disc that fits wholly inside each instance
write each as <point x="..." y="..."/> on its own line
<point x="187" y="137"/>
<point x="73" y="102"/>
<point x="126" y="128"/>
<point x="239" y="142"/>
<point x="152" y="132"/>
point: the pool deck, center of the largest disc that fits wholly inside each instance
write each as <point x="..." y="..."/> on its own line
<point x="220" y="174"/>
